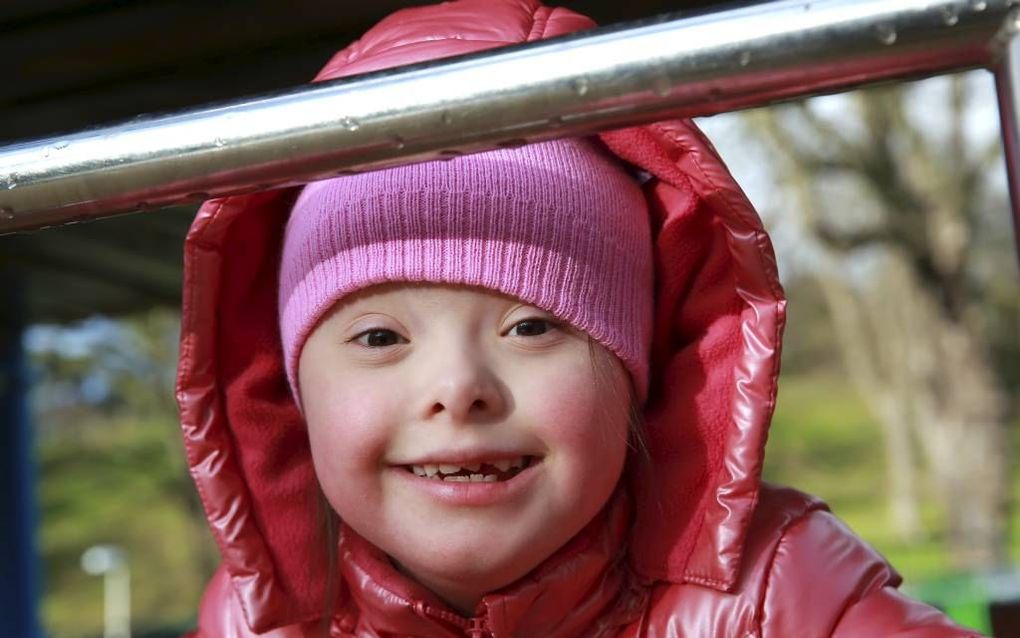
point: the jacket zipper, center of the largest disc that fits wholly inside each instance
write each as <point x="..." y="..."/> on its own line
<point x="477" y="627"/>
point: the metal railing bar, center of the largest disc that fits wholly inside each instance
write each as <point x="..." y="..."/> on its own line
<point x="600" y="79"/>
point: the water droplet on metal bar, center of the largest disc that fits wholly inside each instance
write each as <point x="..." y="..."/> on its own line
<point x="581" y="86"/>
<point x="886" y="34"/>
<point x="950" y="16"/>
<point x="350" y="124"/>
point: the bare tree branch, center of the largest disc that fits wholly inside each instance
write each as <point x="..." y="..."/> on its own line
<point x="922" y="369"/>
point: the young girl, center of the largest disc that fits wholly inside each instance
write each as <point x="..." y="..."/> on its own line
<point x="517" y="393"/>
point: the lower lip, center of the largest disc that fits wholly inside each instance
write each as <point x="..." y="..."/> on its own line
<point x="473" y="493"/>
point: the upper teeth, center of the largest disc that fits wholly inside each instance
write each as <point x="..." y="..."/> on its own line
<point x="506" y="464"/>
<point x="430" y="470"/>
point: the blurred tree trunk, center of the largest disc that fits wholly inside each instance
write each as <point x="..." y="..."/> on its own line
<point x="869" y="363"/>
<point x="908" y="325"/>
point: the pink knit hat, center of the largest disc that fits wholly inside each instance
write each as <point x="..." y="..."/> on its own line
<point x="560" y="225"/>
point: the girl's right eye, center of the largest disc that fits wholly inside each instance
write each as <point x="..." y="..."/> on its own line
<point x="378" y="338"/>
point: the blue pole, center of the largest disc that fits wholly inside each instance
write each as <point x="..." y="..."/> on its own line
<point x="19" y="576"/>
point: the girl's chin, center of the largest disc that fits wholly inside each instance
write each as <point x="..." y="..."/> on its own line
<point x="479" y="571"/>
<point x="461" y="585"/>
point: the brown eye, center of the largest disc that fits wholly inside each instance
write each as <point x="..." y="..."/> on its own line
<point x="378" y="338"/>
<point x="532" y="327"/>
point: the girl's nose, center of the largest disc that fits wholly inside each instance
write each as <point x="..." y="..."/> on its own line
<point x="463" y="391"/>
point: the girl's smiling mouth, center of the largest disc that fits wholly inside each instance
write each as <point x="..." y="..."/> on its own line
<point x="476" y="484"/>
<point x="496" y="470"/>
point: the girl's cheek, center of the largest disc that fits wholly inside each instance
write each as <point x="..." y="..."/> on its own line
<point x="349" y="431"/>
<point x="583" y="423"/>
<point x="562" y="400"/>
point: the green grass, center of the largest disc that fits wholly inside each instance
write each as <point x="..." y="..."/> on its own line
<point x="118" y="481"/>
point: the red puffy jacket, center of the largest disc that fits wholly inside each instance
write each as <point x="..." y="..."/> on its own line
<point x="692" y="544"/>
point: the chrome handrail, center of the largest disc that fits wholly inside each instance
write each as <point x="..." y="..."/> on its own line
<point x="595" y="80"/>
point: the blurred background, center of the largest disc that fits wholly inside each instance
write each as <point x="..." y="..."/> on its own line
<point x="888" y="208"/>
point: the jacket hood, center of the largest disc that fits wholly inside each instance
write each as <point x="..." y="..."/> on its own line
<point x="719" y="312"/>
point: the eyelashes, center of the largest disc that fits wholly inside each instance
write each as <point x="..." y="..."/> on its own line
<point x="532" y="322"/>
<point x="529" y="328"/>
<point x="371" y="338"/>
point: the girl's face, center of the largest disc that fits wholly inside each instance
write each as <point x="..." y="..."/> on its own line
<point x="460" y="431"/>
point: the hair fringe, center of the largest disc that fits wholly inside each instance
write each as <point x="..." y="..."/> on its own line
<point x="606" y="366"/>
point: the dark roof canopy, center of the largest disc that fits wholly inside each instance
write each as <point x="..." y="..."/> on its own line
<point x="73" y="64"/>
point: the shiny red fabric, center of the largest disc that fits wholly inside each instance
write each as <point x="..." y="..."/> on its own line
<point x="692" y="544"/>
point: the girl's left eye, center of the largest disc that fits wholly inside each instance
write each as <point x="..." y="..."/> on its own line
<point x="378" y="338"/>
<point x="533" y="327"/>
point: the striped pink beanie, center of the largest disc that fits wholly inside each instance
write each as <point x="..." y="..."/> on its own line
<point x="559" y="225"/>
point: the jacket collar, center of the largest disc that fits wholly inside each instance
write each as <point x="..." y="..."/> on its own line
<point x="585" y="581"/>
